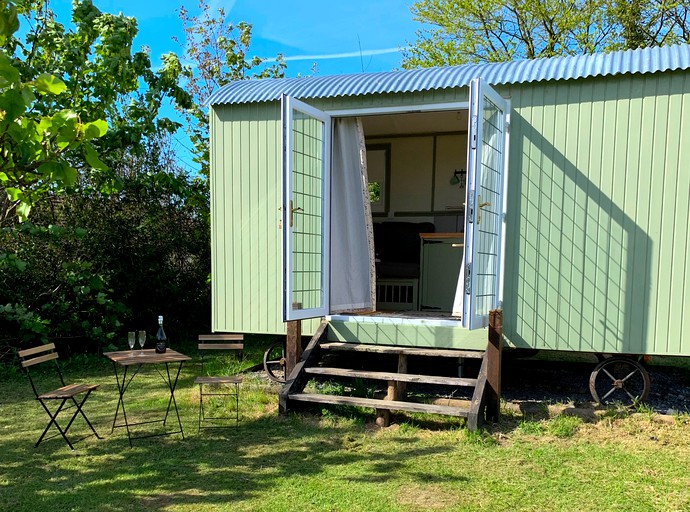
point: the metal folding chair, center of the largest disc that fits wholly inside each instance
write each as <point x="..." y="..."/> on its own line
<point x="64" y="394"/>
<point x="218" y="385"/>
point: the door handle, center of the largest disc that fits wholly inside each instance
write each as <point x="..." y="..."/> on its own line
<point x="292" y="212"/>
<point x="479" y="209"/>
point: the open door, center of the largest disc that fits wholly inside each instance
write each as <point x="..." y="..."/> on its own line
<point x="487" y="169"/>
<point x="306" y="222"/>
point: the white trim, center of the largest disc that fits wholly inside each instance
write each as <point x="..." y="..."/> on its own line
<point x="290" y="105"/>
<point x="395" y="320"/>
<point x="479" y="90"/>
<point x="504" y="227"/>
<point x="474" y="133"/>
<point x="284" y="201"/>
<point x="400" y="109"/>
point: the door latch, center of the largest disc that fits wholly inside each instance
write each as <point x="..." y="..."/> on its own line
<point x="292" y="212"/>
<point x="479" y="209"/>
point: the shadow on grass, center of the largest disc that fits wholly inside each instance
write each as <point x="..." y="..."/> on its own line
<point x="218" y="468"/>
<point x="213" y="469"/>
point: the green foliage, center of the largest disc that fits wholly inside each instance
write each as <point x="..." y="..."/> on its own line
<point x="374" y="192"/>
<point x="220" y="53"/>
<point x="118" y="233"/>
<point x="361" y="389"/>
<point x="28" y="325"/>
<point x="143" y="252"/>
<point x="36" y="143"/>
<point x="462" y="31"/>
<point x="50" y="296"/>
<point x="62" y="107"/>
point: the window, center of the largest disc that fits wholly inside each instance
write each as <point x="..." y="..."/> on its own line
<point x="378" y="164"/>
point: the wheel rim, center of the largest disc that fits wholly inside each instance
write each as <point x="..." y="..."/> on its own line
<point x="274" y="363"/>
<point x="619" y="380"/>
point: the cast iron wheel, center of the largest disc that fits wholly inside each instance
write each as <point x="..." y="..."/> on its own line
<point x="274" y="362"/>
<point x="619" y="380"/>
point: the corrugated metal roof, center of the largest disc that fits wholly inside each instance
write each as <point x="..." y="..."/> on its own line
<point x="647" y="60"/>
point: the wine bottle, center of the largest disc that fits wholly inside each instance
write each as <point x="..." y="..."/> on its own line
<point x="161" y="338"/>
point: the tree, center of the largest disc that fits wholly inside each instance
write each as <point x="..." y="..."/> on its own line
<point x="463" y="31"/>
<point x="59" y="96"/>
<point x="91" y="263"/>
<point x="117" y="230"/>
<point x="219" y="53"/>
<point x="35" y="142"/>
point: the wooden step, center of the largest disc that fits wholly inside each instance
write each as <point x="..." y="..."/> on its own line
<point x="392" y="405"/>
<point x="390" y="376"/>
<point x="410" y="351"/>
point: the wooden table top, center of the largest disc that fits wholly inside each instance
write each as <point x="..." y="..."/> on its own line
<point x="135" y="357"/>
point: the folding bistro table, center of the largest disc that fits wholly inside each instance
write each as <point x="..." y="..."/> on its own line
<point x="124" y="360"/>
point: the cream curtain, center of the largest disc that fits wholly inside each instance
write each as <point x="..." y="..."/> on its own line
<point x="353" y="271"/>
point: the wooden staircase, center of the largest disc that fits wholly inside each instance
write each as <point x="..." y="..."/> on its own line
<point x="312" y="366"/>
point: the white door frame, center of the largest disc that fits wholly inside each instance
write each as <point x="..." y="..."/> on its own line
<point x="290" y="105"/>
<point x="468" y="297"/>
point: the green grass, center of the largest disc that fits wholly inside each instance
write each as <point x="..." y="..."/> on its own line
<point x="564" y="426"/>
<point x="534" y="428"/>
<point x="315" y="462"/>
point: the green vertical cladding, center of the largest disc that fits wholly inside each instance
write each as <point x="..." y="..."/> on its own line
<point x="246" y="235"/>
<point x="599" y="215"/>
<point x="598" y="225"/>
<point x="246" y="197"/>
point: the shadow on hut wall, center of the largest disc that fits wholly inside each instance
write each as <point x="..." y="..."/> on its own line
<point x="578" y="267"/>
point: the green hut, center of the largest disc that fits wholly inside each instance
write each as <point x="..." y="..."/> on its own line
<point x="403" y="206"/>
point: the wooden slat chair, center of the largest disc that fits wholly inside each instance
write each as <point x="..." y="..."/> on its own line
<point x="214" y="343"/>
<point x="68" y="392"/>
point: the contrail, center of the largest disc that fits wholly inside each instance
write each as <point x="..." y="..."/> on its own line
<point x="344" y="55"/>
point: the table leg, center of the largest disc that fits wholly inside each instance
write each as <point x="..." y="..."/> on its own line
<point x="172" y="384"/>
<point x="120" y="392"/>
<point x="125" y="379"/>
<point x="122" y="385"/>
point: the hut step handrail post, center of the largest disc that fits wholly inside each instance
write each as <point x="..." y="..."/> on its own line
<point x="297" y="378"/>
<point x="486" y="400"/>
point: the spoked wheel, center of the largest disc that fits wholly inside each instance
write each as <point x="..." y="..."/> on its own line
<point x="619" y="380"/>
<point x="274" y="362"/>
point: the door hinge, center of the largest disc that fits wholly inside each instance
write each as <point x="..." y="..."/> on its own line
<point x="474" y="131"/>
<point x="470" y="207"/>
<point x="468" y="278"/>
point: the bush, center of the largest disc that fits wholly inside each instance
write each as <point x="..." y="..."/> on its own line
<point x="134" y="255"/>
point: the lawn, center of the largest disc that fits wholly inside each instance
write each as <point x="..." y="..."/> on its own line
<point x="329" y="461"/>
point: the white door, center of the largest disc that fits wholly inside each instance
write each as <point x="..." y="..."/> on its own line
<point x="306" y="221"/>
<point x="487" y="169"/>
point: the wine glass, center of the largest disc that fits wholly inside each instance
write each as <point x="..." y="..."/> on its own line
<point x="142" y="340"/>
<point x="131" y="339"/>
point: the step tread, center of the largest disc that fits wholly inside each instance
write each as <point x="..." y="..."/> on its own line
<point x="392" y="376"/>
<point x="411" y="351"/>
<point x="393" y="405"/>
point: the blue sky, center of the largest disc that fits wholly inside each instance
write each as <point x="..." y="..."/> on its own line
<point x="341" y="36"/>
<point x="330" y="34"/>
